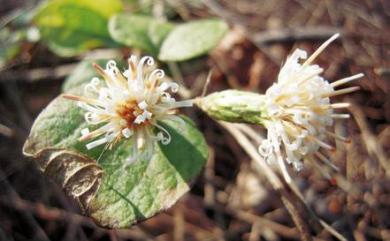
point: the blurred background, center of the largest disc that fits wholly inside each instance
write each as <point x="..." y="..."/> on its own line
<point x="229" y="200"/>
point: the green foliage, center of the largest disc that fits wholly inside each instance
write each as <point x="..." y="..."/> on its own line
<point x="192" y="39"/>
<point x="113" y="193"/>
<point x="158" y="31"/>
<point x="146" y="7"/>
<point x="9" y="45"/>
<point x="72" y="26"/>
<point x="169" y="42"/>
<point x="109" y="190"/>
<point x="139" y="31"/>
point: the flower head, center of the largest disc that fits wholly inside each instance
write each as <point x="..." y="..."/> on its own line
<point x="129" y="105"/>
<point x="299" y="112"/>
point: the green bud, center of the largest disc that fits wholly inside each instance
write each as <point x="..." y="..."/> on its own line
<point x="234" y="106"/>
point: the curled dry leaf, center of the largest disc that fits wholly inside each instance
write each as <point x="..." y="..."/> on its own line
<point x="78" y="175"/>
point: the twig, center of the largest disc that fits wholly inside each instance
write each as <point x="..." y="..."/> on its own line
<point x="52" y="213"/>
<point x="179" y="225"/>
<point x="251" y="218"/>
<point x="240" y="23"/>
<point x="261" y="39"/>
<point x="223" y="13"/>
<point x="4" y="21"/>
<point x="6" y="131"/>
<point x="294" y="34"/>
<point x="15" y="98"/>
<point x="113" y="235"/>
<point x="256" y="231"/>
<point x="206" y="84"/>
<point x="57" y="72"/>
<point x="44" y="212"/>
<point x="12" y="194"/>
<point x="37" y="74"/>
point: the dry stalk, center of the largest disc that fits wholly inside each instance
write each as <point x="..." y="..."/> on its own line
<point x="276" y="183"/>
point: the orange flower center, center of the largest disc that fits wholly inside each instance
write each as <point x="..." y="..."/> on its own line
<point x="129" y="111"/>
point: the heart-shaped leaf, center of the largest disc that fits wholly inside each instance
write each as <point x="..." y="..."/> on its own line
<point x="114" y="194"/>
<point x="139" y="31"/>
<point x="73" y="26"/>
<point x="192" y="39"/>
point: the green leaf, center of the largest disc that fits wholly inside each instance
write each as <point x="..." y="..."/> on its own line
<point x="132" y="31"/>
<point x="113" y="194"/>
<point x="139" y="31"/>
<point x="72" y="26"/>
<point x="158" y="31"/>
<point x="146" y="7"/>
<point x="9" y="45"/>
<point x="192" y="39"/>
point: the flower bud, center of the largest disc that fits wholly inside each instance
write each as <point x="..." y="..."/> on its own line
<point x="234" y="106"/>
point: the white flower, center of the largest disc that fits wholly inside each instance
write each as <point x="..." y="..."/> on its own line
<point x="129" y="105"/>
<point x="299" y="112"/>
